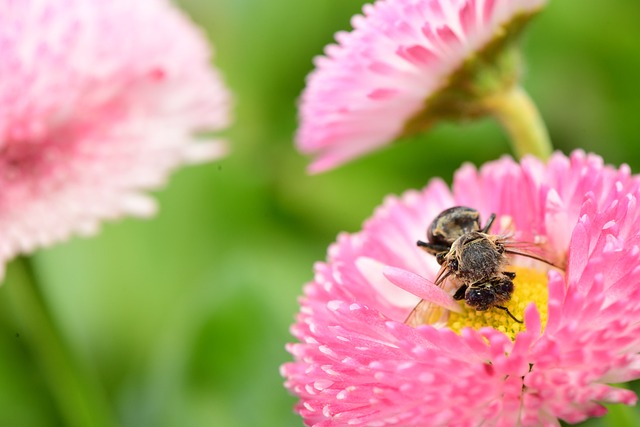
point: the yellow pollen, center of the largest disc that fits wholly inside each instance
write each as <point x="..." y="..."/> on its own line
<point x="529" y="286"/>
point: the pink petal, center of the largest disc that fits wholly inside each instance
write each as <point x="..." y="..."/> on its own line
<point x="421" y="287"/>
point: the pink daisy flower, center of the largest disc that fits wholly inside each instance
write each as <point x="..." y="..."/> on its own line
<point x="358" y="363"/>
<point x="99" y="101"/>
<point x="406" y="64"/>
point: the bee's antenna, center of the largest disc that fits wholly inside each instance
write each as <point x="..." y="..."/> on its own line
<point x="532" y="256"/>
<point x="508" y="312"/>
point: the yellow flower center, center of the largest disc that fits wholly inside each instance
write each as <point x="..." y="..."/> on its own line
<point x="529" y="286"/>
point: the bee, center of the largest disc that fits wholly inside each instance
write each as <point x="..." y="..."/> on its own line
<point x="472" y="260"/>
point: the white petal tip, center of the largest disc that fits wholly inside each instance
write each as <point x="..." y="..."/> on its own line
<point x="202" y="152"/>
<point x="139" y="205"/>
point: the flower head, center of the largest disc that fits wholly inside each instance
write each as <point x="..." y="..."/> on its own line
<point x="406" y="64"/>
<point x="99" y="100"/>
<point x="359" y="363"/>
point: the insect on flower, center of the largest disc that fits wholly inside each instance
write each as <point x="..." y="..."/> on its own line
<point x="473" y="261"/>
<point x="355" y="363"/>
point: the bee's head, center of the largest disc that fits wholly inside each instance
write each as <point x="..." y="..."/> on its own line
<point x="480" y="298"/>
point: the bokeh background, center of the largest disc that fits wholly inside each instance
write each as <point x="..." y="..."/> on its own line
<point x="184" y="318"/>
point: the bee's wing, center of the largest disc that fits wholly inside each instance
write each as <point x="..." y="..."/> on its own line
<point x="436" y="301"/>
<point x="425" y="313"/>
<point x="428" y="313"/>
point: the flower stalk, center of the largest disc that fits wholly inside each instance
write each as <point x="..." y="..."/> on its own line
<point x="80" y="399"/>
<point x="519" y="116"/>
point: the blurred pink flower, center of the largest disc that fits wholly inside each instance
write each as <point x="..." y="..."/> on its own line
<point x="357" y="363"/>
<point x="99" y="100"/>
<point x="379" y="76"/>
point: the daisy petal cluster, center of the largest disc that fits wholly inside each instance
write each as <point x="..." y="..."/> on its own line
<point x="358" y="363"/>
<point x="397" y="62"/>
<point x="99" y="101"/>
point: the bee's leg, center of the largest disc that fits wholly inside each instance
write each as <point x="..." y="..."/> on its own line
<point x="460" y="293"/>
<point x="510" y="274"/>
<point x="431" y="248"/>
<point x="508" y="312"/>
<point x="489" y="223"/>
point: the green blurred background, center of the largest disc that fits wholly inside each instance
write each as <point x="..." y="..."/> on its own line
<point x="183" y="318"/>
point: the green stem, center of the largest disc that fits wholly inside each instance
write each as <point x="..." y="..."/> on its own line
<point x="620" y="415"/>
<point x="519" y="116"/>
<point x="81" y="401"/>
